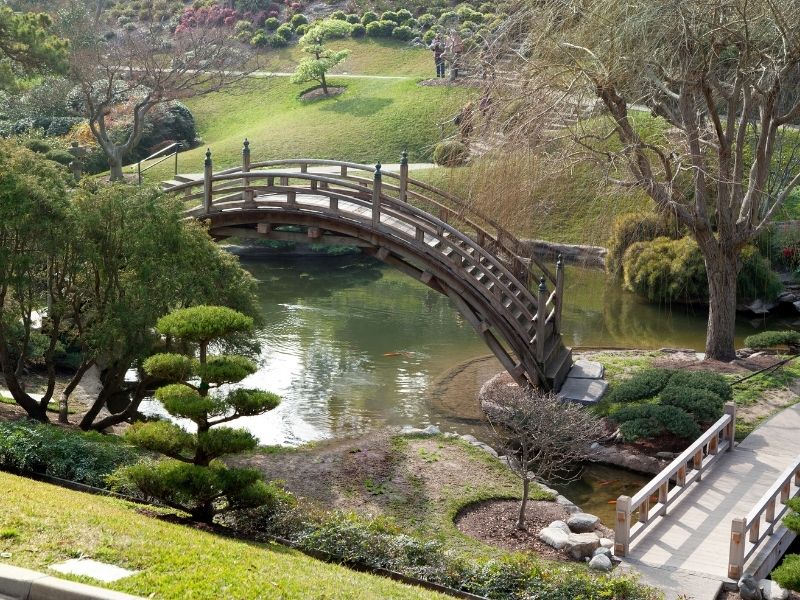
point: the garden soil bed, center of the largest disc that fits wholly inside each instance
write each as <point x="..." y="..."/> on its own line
<point x="318" y="94"/>
<point x="494" y="522"/>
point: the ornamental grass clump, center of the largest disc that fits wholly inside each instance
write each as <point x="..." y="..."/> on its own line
<point x="191" y="478"/>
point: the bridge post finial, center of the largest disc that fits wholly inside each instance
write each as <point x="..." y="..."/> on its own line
<point x="208" y="174"/>
<point x="378" y="173"/>
<point x="542" y="285"/>
<point x="560" y="261"/>
<point x="404" y="157"/>
<point x="404" y="176"/>
<point x="208" y="157"/>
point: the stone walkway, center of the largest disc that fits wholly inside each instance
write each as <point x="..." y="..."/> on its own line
<point x="686" y="552"/>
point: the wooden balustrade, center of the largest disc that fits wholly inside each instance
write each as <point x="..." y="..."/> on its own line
<point x="703" y="452"/>
<point x="746" y="533"/>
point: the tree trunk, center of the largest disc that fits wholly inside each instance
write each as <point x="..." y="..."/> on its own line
<point x="722" y="268"/>
<point x="115" y="166"/>
<point x="524" y="504"/>
<point x="324" y="84"/>
<point x="63" y="400"/>
<point x="129" y="412"/>
<point x="31" y="406"/>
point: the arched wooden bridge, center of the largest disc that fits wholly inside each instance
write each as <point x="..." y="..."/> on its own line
<point x="425" y="232"/>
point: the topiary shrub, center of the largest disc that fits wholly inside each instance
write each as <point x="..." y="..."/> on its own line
<point x="631" y="228"/>
<point x="426" y="21"/>
<point x="368" y="17"/>
<point x="191" y="478"/>
<point x="450" y="154"/>
<point x="259" y="39"/>
<point x="38" y="146"/>
<point x="353" y="19"/>
<point x="339" y="15"/>
<point x="381" y="28"/>
<point x="390" y="15"/>
<point x="404" y="15"/>
<point x="643" y="385"/>
<point x="650" y="420"/>
<point x="770" y="339"/>
<point x="271" y="24"/>
<point x="403" y="33"/>
<point x="277" y="41"/>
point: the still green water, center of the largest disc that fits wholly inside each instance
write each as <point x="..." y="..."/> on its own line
<point x="352" y="345"/>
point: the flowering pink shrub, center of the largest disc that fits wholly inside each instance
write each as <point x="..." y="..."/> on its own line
<point x="208" y="16"/>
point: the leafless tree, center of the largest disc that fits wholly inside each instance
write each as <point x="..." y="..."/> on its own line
<point x="721" y="73"/>
<point x="141" y="69"/>
<point x="540" y="434"/>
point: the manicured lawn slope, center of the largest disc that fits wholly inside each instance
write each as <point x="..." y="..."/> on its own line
<point x="42" y="524"/>
<point x="374" y="119"/>
<point x="367" y="57"/>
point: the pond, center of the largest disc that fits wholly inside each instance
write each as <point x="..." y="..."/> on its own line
<point x="352" y="345"/>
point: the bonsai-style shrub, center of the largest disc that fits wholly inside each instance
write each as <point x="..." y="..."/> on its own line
<point x="645" y="384"/>
<point x="358" y="31"/>
<point x="271" y="24"/>
<point x="298" y="19"/>
<point x="450" y="154"/>
<point x="192" y="479"/>
<point x="650" y="420"/>
<point x="368" y="17"/>
<point x="771" y="339"/>
<point x="322" y="60"/>
<point x="426" y="21"/>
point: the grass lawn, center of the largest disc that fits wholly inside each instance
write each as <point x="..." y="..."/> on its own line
<point x="50" y="524"/>
<point x="367" y="57"/>
<point x="374" y="119"/>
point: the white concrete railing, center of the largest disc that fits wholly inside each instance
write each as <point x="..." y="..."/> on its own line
<point x="746" y="533"/>
<point x="703" y="452"/>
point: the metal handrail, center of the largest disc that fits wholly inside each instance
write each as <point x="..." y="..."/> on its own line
<point x="139" y="170"/>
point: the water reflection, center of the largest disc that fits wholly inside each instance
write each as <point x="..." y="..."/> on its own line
<point x="353" y="345"/>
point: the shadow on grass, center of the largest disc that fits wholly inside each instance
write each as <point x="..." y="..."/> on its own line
<point x="358" y="107"/>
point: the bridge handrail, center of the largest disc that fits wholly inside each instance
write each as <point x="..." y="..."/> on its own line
<point x="750" y="526"/>
<point x="704" y="451"/>
<point x="396" y="205"/>
<point x="501" y="236"/>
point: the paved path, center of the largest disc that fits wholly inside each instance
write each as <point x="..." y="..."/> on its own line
<point x="686" y="552"/>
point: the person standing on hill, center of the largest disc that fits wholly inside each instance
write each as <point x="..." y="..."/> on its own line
<point x="437" y="46"/>
<point x="455" y="48"/>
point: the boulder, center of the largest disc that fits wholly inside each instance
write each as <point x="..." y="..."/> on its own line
<point x="665" y="455"/>
<point x="431" y="430"/>
<point x="560" y="525"/>
<point x="582" y="545"/>
<point x="600" y="562"/>
<point x="748" y="588"/>
<point x="554" y="537"/>
<point x="606" y="543"/>
<point x="469" y="438"/>
<point x="581" y="522"/>
<point x="602" y="552"/>
<point x="770" y="590"/>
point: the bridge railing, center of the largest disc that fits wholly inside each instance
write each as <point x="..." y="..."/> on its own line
<point x="656" y="496"/>
<point x="747" y="535"/>
<point x="449" y="208"/>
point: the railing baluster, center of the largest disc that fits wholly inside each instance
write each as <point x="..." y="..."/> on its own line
<point x="622" y="526"/>
<point x="247" y="193"/>
<point x="404" y="177"/>
<point x="377" y="187"/>
<point x="541" y="317"/>
<point x="559" y="291"/>
<point x="208" y="172"/>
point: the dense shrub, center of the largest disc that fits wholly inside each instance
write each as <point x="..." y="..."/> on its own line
<point x="49" y="450"/>
<point x="450" y="154"/>
<point x="271" y="24"/>
<point x="259" y="39"/>
<point x="788" y="573"/>
<point x="381" y="28"/>
<point x="703" y="380"/>
<point x="301" y="30"/>
<point x="379" y="544"/>
<point x="278" y="41"/>
<point x="62" y="126"/>
<point x="426" y="21"/>
<point x="391" y="15"/>
<point x="643" y="385"/>
<point x="358" y="31"/>
<point x="704" y="405"/>
<point x="403" y="33"/>
<point x="339" y="15"/>
<point x="353" y="19"/>
<point x="368" y="17"/>
<point x="770" y="339"/>
<point x="37" y="145"/>
<point x="666" y="270"/>
<point x="60" y="156"/>
<point x="404" y="15"/>
<point x="298" y="19"/>
<point x="631" y="228"/>
<point x="285" y="31"/>
<point x="649" y="420"/>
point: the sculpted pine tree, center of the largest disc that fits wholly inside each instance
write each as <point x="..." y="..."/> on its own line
<point x="27" y="45"/>
<point x="192" y="479"/>
<point x="722" y="74"/>
<point x="322" y="59"/>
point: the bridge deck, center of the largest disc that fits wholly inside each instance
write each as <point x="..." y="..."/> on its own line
<point x="687" y="551"/>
